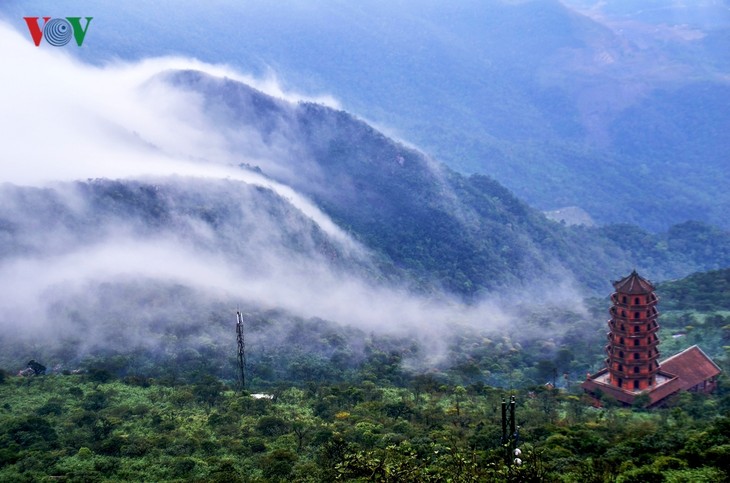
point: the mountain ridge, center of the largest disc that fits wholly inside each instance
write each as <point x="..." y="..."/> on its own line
<point x="375" y="186"/>
<point x="553" y="115"/>
<point x="427" y="225"/>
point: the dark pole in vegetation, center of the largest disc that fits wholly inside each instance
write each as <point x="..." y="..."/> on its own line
<point x="241" y="351"/>
<point x="504" y="422"/>
<point x="509" y="440"/>
<point x="512" y="424"/>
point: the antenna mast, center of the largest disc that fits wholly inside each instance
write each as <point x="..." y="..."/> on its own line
<point x="241" y="351"/>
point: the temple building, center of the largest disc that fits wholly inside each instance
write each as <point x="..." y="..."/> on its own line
<point x="633" y="367"/>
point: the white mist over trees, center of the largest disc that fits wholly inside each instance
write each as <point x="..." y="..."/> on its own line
<point x="195" y="218"/>
<point x="134" y="189"/>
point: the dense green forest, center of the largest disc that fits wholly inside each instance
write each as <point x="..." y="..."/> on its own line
<point x="705" y="291"/>
<point x="339" y="416"/>
<point x="91" y="428"/>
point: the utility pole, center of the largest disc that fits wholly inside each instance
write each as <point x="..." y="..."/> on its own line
<point x="241" y="351"/>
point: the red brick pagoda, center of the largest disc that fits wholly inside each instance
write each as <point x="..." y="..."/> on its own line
<point x="632" y="341"/>
<point x="632" y="366"/>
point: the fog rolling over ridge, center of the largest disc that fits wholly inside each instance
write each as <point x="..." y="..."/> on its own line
<point x="119" y="183"/>
<point x="143" y="202"/>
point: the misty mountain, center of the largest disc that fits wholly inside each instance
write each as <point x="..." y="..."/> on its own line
<point x="568" y="104"/>
<point x="414" y="222"/>
<point x="466" y="234"/>
<point x="235" y="219"/>
<point x="147" y="274"/>
<point x="308" y="217"/>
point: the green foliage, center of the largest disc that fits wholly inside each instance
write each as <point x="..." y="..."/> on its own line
<point x="99" y="375"/>
<point x="644" y="474"/>
<point x="705" y="292"/>
<point x="703" y="474"/>
<point x="32" y="432"/>
<point x="369" y="432"/>
<point x="374" y="420"/>
<point x="272" y="426"/>
<point x="208" y="390"/>
<point x="278" y="464"/>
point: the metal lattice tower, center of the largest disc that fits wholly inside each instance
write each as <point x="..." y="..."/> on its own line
<point x="241" y="351"/>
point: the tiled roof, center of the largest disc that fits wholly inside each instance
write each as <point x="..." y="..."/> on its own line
<point x="633" y="284"/>
<point x="662" y="391"/>
<point x="692" y="366"/>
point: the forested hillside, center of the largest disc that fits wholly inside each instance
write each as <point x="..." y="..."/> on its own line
<point x="696" y="311"/>
<point x="425" y="429"/>
<point x="470" y="234"/>
<point x="705" y="291"/>
<point x="351" y="406"/>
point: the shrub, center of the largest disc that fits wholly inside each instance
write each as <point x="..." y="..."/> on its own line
<point x="33" y="432"/>
<point x="272" y="426"/>
<point x="278" y="464"/>
<point x="53" y="406"/>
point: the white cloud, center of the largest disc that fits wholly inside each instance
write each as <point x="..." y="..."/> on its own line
<point x="63" y="120"/>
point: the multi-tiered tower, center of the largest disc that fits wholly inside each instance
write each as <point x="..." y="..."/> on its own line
<point x="632" y="360"/>
<point x="632" y="367"/>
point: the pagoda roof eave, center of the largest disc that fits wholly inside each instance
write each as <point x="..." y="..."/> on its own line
<point x="633" y="284"/>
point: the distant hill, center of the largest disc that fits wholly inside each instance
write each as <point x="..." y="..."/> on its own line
<point x="704" y="291"/>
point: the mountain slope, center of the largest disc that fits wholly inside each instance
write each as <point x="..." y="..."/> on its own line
<point x="469" y="234"/>
<point x="299" y="212"/>
<point x="588" y="104"/>
<point x="704" y="291"/>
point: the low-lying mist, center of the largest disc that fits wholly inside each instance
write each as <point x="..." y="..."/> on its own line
<point x="132" y="224"/>
<point x="157" y="269"/>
